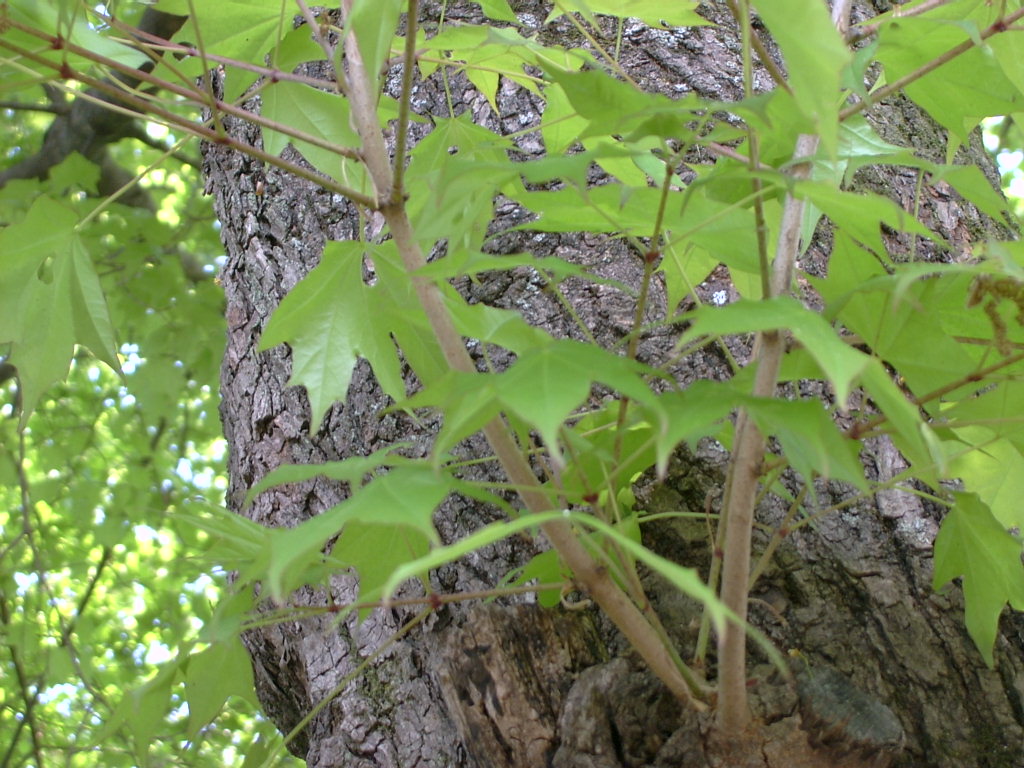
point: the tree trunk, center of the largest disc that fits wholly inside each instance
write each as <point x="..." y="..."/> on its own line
<point x="511" y="684"/>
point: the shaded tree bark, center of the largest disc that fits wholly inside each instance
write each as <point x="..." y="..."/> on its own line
<point x="510" y="684"/>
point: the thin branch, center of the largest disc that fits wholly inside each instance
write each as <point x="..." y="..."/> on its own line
<point x="31" y="698"/>
<point x="612" y="60"/>
<point x="588" y="573"/>
<point x="204" y="132"/>
<point x="114" y="196"/>
<point x="143" y="137"/>
<point x="431" y="599"/>
<point x="723" y="151"/>
<point x="780" y="533"/>
<point x="1000" y="25"/>
<point x="869" y="30"/>
<point x="982" y="374"/>
<point x="272" y="74"/>
<point x="316" y="30"/>
<point x="405" y="102"/>
<point x="19" y="106"/>
<point x="651" y="257"/>
<point x="13" y="743"/>
<point x="742" y="11"/>
<point x="189" y="94"/>
<point x="745" y="470"/>
<point x="83" y="603"/>
<point x="155" y="45"/>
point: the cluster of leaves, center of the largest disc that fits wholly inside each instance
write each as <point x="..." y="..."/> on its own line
<point x="111" y="430"/>
<point x="955" y="413"/>
<point x="81" y="273"/>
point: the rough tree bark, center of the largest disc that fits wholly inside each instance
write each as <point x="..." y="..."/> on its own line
<point x="509" y="684"/>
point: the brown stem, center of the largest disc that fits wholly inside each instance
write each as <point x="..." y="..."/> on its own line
<point x="189" y="94"/>
<point x="1000" y="25"/>
<point x="867" y="30"/>
<point x="148" y="42"/>
<point x="590" y="575"/>
<point x="130" y="102"/>
<point x="745" y="469"/>
<point x="982" y="374"/>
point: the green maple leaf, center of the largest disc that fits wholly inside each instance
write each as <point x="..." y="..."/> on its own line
<point x="50" y="300"/>
<point x="332" y="318"/>
<point x="404" y="498"/>
<point x="972" y="544"/>
<point x="375" y="551"/>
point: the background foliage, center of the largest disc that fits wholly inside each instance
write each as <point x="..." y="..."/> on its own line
<point x="114" y="648"/>
<point x="99" y="581"/>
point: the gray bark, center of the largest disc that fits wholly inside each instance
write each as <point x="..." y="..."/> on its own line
<point x="510" y="684"/>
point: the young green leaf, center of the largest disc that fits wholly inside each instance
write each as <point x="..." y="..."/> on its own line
<point x="962" y="92"/>
<point x="352" y="470"/>
<point x="810" y="440"/>
<point x="405" y="496"/>
<point x="860" y="215"/>
<point x="320" y="114"/>
<point x="592" y="464"/>
<point x="544" y="568"/>
<point x="545" y="386"/>
<point x="972" y="544"/>
<point x="452" y="178"/>
<point x="499" y="10"/>
<point x="689" y="415"/>
<point x="211" y="676"/>
<point x="911" y="434"/>
<point x="245" y="30"/>
<point x="50" y="300"/>
<point x="815" y="57"/>
<point x="375" y="550"/>
<point x="480" y="538"/>
<point x="840" y="363"/>
<point x="332" y="318"/>
<point x="993" y="469"/>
